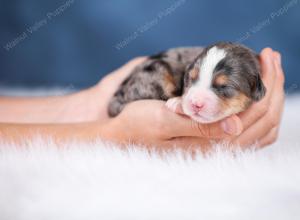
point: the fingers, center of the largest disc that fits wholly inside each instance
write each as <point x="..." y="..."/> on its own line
<point x="194" y="144"/>
<point x="263" y="126"/>
<point x="114" y="79"/>
<point x="126" y="69"/>
<point x="161" y="123"/>
<point x="268" y="139"/>
<point x="257" y="110"/>
<point x="272" y="136"/>
<point x="185" y="127"/>
<point x="109" y="84"/>
<point x="271" y="118"/>
<point x="279" y="70"/>
<point x="186" y="144"/>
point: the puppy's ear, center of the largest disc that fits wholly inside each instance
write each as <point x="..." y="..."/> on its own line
<point x="258" y="89"/>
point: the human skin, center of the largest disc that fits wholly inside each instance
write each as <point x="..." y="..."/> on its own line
<point x="83" y="116"/>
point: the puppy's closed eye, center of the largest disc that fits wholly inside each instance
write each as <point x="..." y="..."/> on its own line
<point x="223" y="87"/>
<point x="226" y="91"/>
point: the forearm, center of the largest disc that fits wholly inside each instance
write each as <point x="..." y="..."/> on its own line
<point x="59" y="133"/>
<point x="76" y="107"/>
<point x="87" y="105"/>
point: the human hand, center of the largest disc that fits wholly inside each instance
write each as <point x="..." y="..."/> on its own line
<point x="147" y="121"/>
<point x="150" y="122"/>
<point x="106" y="88"/>
<point x="261" y="121"/>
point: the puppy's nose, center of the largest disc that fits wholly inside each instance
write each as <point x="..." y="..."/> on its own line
<point x="197" y="106"/>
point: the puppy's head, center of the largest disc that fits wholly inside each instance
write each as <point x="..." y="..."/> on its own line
<point x="223" y="80"/>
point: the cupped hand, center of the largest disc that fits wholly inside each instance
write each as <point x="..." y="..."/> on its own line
<point x="261" y="122"/>
<point x="150" y="122"/>
<point x="106" y="88"/>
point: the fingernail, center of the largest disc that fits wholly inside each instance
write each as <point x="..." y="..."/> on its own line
<point x="229" y="126"/>
<point x="268" y="54"/>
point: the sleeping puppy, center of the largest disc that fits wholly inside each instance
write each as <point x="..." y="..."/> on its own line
<point x="208" y="83"/>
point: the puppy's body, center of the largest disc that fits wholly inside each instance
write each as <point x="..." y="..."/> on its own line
<point x="209" y="83"/>
<point x="159" y="77"/>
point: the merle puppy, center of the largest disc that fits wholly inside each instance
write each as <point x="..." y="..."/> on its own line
<point x="209" y="83"/>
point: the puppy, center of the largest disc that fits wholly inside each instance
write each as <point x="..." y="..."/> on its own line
<point x="208" y="83"/>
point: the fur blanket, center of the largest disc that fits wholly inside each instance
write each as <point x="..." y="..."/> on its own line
<point x="98" y="181"/>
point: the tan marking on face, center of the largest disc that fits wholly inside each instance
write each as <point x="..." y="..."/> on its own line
<point x="169" y="84"/>
<point x="194" y="73"/>
<point x="221" y="79"/>
<point x="235" y="104"/>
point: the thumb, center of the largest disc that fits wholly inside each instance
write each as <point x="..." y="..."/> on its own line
<point x="231" y="126"/>
<point x="127" y="68"/>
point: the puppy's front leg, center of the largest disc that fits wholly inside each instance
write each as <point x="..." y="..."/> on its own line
<point x="174" y="104"/>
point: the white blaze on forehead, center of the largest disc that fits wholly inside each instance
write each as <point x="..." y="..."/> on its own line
<point x="207" y="66"/>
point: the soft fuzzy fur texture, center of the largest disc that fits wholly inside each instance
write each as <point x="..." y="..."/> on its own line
<point x="98" y="181"/>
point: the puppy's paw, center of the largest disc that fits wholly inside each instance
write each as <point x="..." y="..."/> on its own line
<point x="174" y="104"/>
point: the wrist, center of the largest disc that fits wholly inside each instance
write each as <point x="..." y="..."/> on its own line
<point x="105" y="131"/>
<point x="85" y="105"/>
<point x="114" y="130"/>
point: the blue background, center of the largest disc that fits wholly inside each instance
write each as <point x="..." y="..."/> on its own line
<point x="78" y="46"/>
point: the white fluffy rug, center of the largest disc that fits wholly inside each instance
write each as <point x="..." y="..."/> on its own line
<point x="97" y="181"/>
